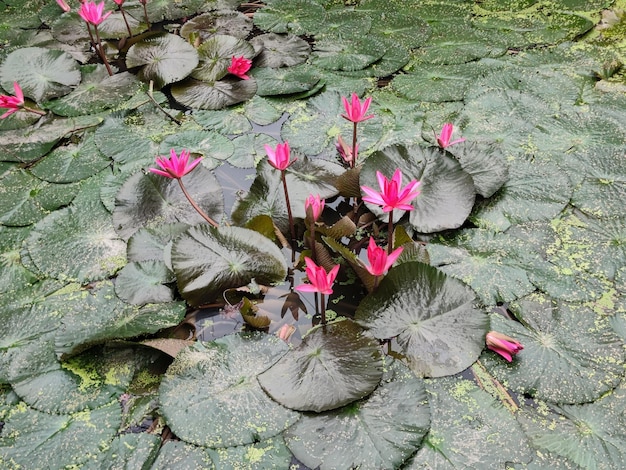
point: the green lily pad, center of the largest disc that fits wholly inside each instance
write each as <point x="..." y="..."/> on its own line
<point x="147" y="200"/>
<point x="209" y="260"/>
<point x="447" y="192"/>
<point x="206" y="25"/>
<point x="266" y="197"/>
<point x="77" y="243"/>
<point x="174" y="454"/>
<point x="333" y="366"/>
<point x="97" y="92"/>
<point x="571" y="355"/>
<point x="127" y="451"/>
<point x="42" y="73"/>
<point x="268" y="454"/>
<point x="286" y="80"/>
<point x="204" y="389"/>
<point x="164" y="59"/>
<point x="290" y="16"/>
<point x="224" y="121"/>
<point x="469" y="429"/>
<point x="433" y="316"/>
<point x="32" y="439"/>
<point x="14" y="275"/>
<point x="25" y="199"/>
<point x="211" y="145"/>
<point x="280" y="50"/>
<point x="341" y="23"/>
<point x="216" y="55"/>
<point x="250" y="149"/>
<point x="262" y="111"/>
<point x="380" y="431"/>
<point x="347" y="54"/>
<point x="154" y="244"/>
<point x="482" y="260"/>
<point x="217" y="95"/>
<point x="143" y="282"/>
<point x="404" y="27"/>
<point x="72" y="162"/>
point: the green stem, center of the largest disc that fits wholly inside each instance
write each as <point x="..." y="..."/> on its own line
<point x="36" y="111"/>
<point x="291" y="225"/>
<point x="353" y="163"/>
<point x="130" y="33"/>
<point x="312" y="242"/>
<point x="323" y="308"/>
<point x="390" y="233"/>
<point x="195" y="206"/>
<point x="100" y="49"/>
<point x="145" y="13"/>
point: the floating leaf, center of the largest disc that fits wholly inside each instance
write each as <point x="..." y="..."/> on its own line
<point x="380" y="431"/>
<point x="180" y="454"/>
<point x="347" y="54"/>
<point x="216" y="55"/>
<point x="14" y="275"/>
<point x="280" y="50"/>
<point x="133" y="450"/>
<point x="571" y="355"/>
<point x="164" y="59"/>
<point x="333" y="366"/>
<point x="290" y="16"/>
<point x="211" y="145"/>
<point x="265" y="455"/>
<point x="221" y="403"/>
<point x="285" y="81"/>
<point x="154" y="243"/>
<point x="139" y="283"/>
<point x="233" y="23"/>
<point x="226" y="92"/>
<point x="210" y="260"/>
<point x="432" y="315"/>
<point x="147" y="200"/>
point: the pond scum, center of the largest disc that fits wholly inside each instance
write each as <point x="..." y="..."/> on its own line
<point x="424" y="264"/>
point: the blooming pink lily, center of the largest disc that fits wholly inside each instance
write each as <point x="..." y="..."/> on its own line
<point x="280" y="157"/>
<point x="92" y="12"/>
<point x="355" y="111"/>
<point x="314" y="206"/>
<point x="64" y="6"/>
<point x="320" y="280"/>
<point x="12" y="103"/>
<point x="504" y="345"/>
<point x="239" y="66"/>
<point x="392" y="195"/>
<point x="443" y="139"/>
<point x="175" y="166"/>
<point x="380" y="261"/>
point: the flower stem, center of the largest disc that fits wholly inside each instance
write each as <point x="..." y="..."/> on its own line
<point x="145" y="13"/>
<point x="390" y="233"/>
<point x="353" y="162"/>
<point x="323" y="308"/>
<point x="195" y="206"/>
<point x="100" y="49"/>
<point x="36" y="111"/>
<point x="312" y="241"/>
<point x="130" y="33"/>
<point x="291" y="225"/>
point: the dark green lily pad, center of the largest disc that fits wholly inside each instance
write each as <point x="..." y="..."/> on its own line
<point x="285" y="81"/>
<point x="32" y="439"/>
<point x="347" y="54"/>
<point x="267" y="197"/>
<point x="249" y="149"/>
<point x="77" y="243"/>
<point x="233" y="23"/>
<point x="380" y="431"/>
<point x="25" y="199"/>
<point x="97" y="92"/>
<point x="42" y="73"/>
<point x="211" y="145"/>
<point x="210" y="396"/>
<point x="155" y="243"/>
<point x="483" y="260"/>
<point x="127" y="451"/>
<point x="404" y="27"/>
<point x="290" y="16"/>
<point x="143" y="282"/>
<point x="208" y="261"/>
<point x="226" y="92"/>
<point x="216" y="55"/>
<point x="278" y="50"/>
<point x="447" y="192"/>
<point x="469" y="429"/>
<point x="571" y="355"/>
<point x="332" y="367"/>
<point x="14" y="275"/>
<point x="164" y="59"/>
<point x="224" y="121"/>
<point x="269" y="454"/>
<point x="433" y="316"/>
<point x="147" y="200"/>
<point x="179" y="454"/>
<point x="72" y="162"/>
<point x="342" y="23"/>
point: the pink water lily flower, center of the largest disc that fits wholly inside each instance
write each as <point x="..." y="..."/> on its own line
<point x="380" y="261"/>
<point x="502" y="344"/>
<point x="314" y="206"/>
<point x="239" y="66"/>
<point x="92" y="12"/>
<point x="119" y="2"/>
<point x="346" y="152"/>
<point x="12" y="103"/>
<point x="280" y="157"/>
<point x="64" y="6"/>
<point x="355" y="110"/>
<point x="320" y="280"/>
<point x="175" y="166"/>
<point x="391" y="195"/>
<point x="443" y="139"/>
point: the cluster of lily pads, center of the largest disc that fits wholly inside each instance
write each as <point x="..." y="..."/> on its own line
<point x="105" y="263"/>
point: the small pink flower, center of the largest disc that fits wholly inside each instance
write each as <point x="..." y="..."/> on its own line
<point x="443" y="139"/>
<point x="314" y="206"/>
<point x="392" y="195"/>
<point x="285" y="332"/>
<point x="320" y="281"/>
<point x="239" y="66"/>
<point x="92" y="13"/>
<point x="279" y="158"/>
<point x="355" y="111"/>
<point x="119" y="2"/>
<point x="380" y="261"/>
<point x="12" y="103"/>
<point x="345" y="151"/>
<point x="504" y="345"/>
<point x="64" y="6"/>
<point x="175" y="167"/>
